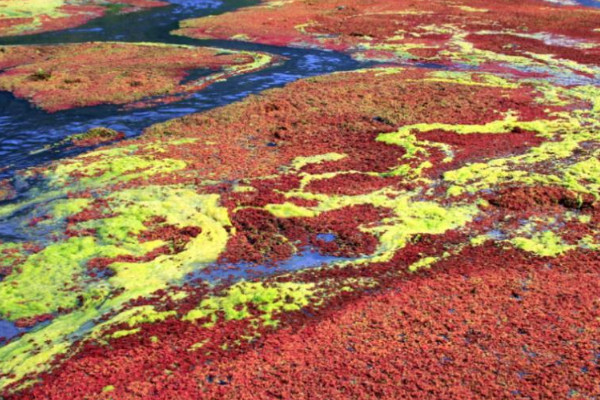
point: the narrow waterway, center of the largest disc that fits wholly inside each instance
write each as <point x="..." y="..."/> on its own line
<point x="25" y="130"/>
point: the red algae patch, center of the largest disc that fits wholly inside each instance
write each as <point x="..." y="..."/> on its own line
<point x="535" y="35"/>
<point x="502" y="329"/>
<point x="76" y="75"/>
<point x="35" y="16"/>
<point x="332" y="23"/>
<point x="266" y="132"/>
<point x="217" y="238"/>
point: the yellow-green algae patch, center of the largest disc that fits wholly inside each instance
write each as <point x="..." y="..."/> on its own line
<point x="204" y="211"/>
<point x="89" y="300"/>
<point x="50" y="279"/>
<point x="54" y="278"/>
<point x="580" y="176"/>
<point x="411" y="216"/>
<point x="546" y="244"/>
<point x="114" y="165"/>
<point x="34" y="10"/>
<point x="132" y="207"/>
<point x="422" y="263"/>
<point x="133" y="317"/>
<point x="124" y="332"/>
<point x="300" y="162"/>
<point x="414" y="218"/>
<point x="108" y="388"/>
<point x="67" y="207"/>
<point x="584" y="176"/>
<point x="93" y="170"/>
<point x="269" y="300"/>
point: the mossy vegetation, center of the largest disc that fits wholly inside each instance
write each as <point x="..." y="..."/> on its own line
<point x="546" y="244"/>
<point x="269" y="300"/>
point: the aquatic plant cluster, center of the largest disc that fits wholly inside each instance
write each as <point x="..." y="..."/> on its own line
<point x="63" y="77"/>
<point x="424" y="228"/>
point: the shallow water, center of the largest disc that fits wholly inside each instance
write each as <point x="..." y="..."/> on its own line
<point x="304" y="259"/>
<point x="8" y="330"/>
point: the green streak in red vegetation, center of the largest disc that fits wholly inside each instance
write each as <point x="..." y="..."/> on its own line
<point x="96" y="136"/>
<point x="76" y="75"/>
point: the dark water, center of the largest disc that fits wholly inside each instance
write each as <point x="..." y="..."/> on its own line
<point x="25" y="129"/>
